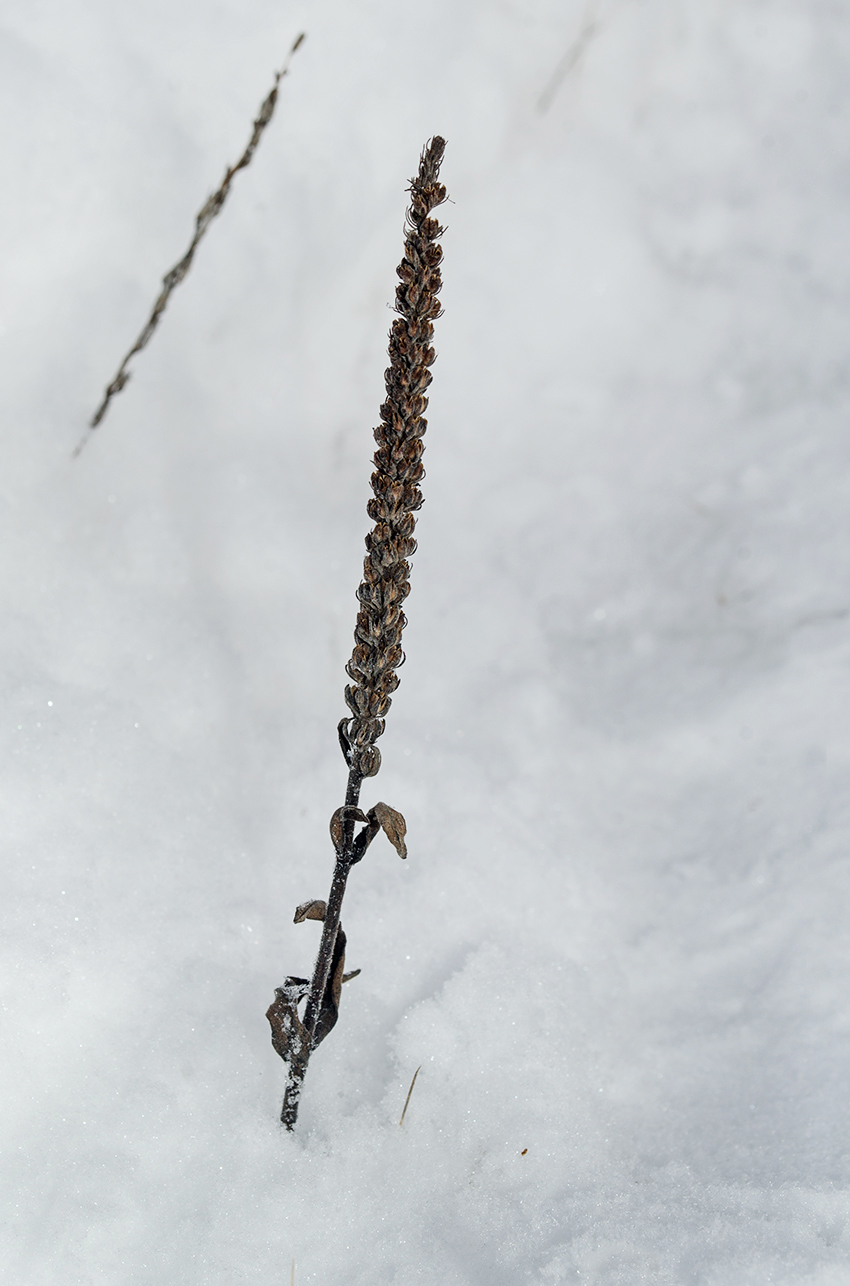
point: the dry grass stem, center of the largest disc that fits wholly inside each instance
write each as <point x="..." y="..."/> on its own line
<point x="211" y="207"/>
<point x="409" y="1092"/>
<point x="377" y="653"/>
<point x="590" y="29"/>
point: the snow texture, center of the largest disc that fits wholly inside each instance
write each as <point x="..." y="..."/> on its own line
<point x="619" y="947"/>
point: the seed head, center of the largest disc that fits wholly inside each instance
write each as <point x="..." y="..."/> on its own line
<point x="398" y="472"/>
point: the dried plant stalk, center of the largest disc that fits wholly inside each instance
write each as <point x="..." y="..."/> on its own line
<point x="211" y="207"/>
<point x="572" y="59"/>
<point x="377" y="651"/>
<point x="407" y="1100"/>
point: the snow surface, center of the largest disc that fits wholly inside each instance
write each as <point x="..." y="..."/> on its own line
<point x="619" y="948"/>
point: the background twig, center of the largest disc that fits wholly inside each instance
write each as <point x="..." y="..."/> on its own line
<point x="211" y="207"/>
<point x="590" y="27"/>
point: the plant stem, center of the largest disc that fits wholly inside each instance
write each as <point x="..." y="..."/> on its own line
<point x="377" y="652"/>
<point x="321" y="972"/>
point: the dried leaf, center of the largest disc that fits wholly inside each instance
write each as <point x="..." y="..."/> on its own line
<point x="392" y="824"/>
<point x="289" y="1035"/>
<point x="340" y="817"/>
<point x="315" y="909"/>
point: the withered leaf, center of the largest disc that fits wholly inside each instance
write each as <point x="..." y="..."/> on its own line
<point x="289" y="1035"/>
<point x="392" y="824"/>
<point x="315" y="909"/>
<point x="340" y="817"/>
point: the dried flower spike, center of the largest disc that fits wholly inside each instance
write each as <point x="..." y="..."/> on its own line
<point x="398" y="471"/>
<point x="377" y="651"/>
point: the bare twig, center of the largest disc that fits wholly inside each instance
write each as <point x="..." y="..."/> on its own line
<point x="377" y="651"/>
<point x="409" y="1092"/>
<point x="211" y="207"/>
<point x="590" y="28"/>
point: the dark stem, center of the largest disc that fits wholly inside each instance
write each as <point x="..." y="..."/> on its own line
<point x="321" y="972"/>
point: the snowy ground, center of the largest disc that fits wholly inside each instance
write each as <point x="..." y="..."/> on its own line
<point x="619" y="948"/>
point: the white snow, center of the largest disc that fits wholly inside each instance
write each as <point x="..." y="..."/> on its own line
<point x="619" y="947"/>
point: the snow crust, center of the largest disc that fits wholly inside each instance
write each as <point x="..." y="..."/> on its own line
<point x="619" y="948"/>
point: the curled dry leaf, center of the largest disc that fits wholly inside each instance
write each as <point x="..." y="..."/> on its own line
<point x="392" y="824"/>
<point x="342" y="815"/>
<point x="315" y="909"/>
<point x="290" y="1037"/>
